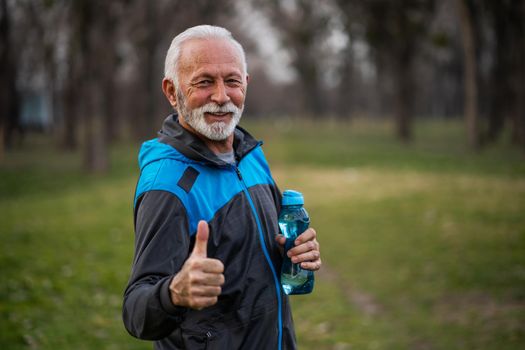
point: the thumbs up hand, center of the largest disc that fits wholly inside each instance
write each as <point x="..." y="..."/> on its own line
<point x="198" y="284"/>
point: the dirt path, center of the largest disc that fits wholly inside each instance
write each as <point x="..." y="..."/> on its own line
<point x="364" y="302"/>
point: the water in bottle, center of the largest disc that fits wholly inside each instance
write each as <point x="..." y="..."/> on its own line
<point x="294" y="220"/>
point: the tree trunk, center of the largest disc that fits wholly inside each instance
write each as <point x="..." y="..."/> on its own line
<point x="403" y="96"/>
<point x="147" y="41"/>
<point x="499" y="89"/>
<point x="470" y="64"/>
<point x="96" y="158"/>
<point x="69" y="121"/>
<point x="69" y="128"/>
<point x="91" y="41"/>
<point x="4" y="71"/>
<point x="345" y="100"/>
<point x="9" y="99"/>
<point x="517" y="59"/>
<point x="108" y="63"/>
<point x="2" y="141"/>
<point x="312" y="97"/>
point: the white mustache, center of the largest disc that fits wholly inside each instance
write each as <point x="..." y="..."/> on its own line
<point x="215" y="108"/>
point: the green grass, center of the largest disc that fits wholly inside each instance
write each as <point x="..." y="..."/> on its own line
<point x="438" y="146"/>
<point x="423" y="245"/>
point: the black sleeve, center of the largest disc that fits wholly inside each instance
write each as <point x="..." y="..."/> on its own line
<point x="162" y="245"/>
<point x="277" y="197"/>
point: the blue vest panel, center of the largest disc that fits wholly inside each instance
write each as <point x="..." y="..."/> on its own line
<point x="213" y="188"/>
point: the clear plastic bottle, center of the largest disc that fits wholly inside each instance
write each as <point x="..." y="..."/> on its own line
<point x="294" y="220"/>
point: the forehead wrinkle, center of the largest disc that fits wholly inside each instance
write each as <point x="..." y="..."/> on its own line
<point x="209" y="55"/>
<point x="215" y="71"/>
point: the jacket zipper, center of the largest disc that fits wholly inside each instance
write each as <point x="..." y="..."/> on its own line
<point x="266" y="254"/>
<point x="208" y="338"/>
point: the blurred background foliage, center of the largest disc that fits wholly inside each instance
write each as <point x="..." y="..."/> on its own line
<point x="403" y="122"/>
<point x="88" y="72"/>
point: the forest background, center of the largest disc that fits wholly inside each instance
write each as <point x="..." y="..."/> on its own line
<point x="402" y="122"/>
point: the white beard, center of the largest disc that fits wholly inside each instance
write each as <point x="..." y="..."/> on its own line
<point x="216" y="131"/>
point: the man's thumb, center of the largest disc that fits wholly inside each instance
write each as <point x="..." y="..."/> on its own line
<point x="201" y="240"/>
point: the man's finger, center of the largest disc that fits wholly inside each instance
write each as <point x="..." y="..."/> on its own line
<point x="201" y="278"/>
<point x="201" y="240"/>
<point x="280" y="239"/>
<point x="200" y="303"/>
<point x="303" y="248"/>
<point x="213" y="266"/>
<point x="206" y="291"/>
<point x="213" y="279"/>
<point x="312" y="255"/>
<point x="306" y="236"/>
<point x="312" y="266"/>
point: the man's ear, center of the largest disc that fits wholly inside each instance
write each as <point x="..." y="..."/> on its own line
<point x="247" y="79"/>
<point x="169" y="91"/>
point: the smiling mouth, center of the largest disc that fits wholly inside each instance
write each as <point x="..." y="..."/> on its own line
<point x="219" y="115"/>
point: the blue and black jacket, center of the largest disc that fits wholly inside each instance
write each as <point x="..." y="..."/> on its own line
<point x="182" y="182"/>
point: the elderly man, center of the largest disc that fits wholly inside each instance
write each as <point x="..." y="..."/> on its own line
<point x="207" y="249"/>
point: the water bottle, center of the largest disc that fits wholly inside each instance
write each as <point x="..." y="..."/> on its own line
<point x="294" y="220"/>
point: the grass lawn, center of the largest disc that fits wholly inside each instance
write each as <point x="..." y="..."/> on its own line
<point x="423" y="245"/>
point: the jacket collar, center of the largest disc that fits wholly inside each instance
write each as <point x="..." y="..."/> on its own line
<point x="173" y="134"/>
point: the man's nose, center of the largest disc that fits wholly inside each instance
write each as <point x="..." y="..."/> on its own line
<point x="220" y="94"/>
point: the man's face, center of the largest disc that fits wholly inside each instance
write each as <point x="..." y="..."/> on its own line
<point x="212" y="87"/>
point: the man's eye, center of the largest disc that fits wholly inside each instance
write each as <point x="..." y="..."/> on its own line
<point x="204" y="82"/>
<point x="234" y="82"/>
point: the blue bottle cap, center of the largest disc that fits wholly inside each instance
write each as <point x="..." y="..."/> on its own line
<point x="291" y="197"/>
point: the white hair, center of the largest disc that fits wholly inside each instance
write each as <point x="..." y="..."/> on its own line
<point x="198" y="32"/>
